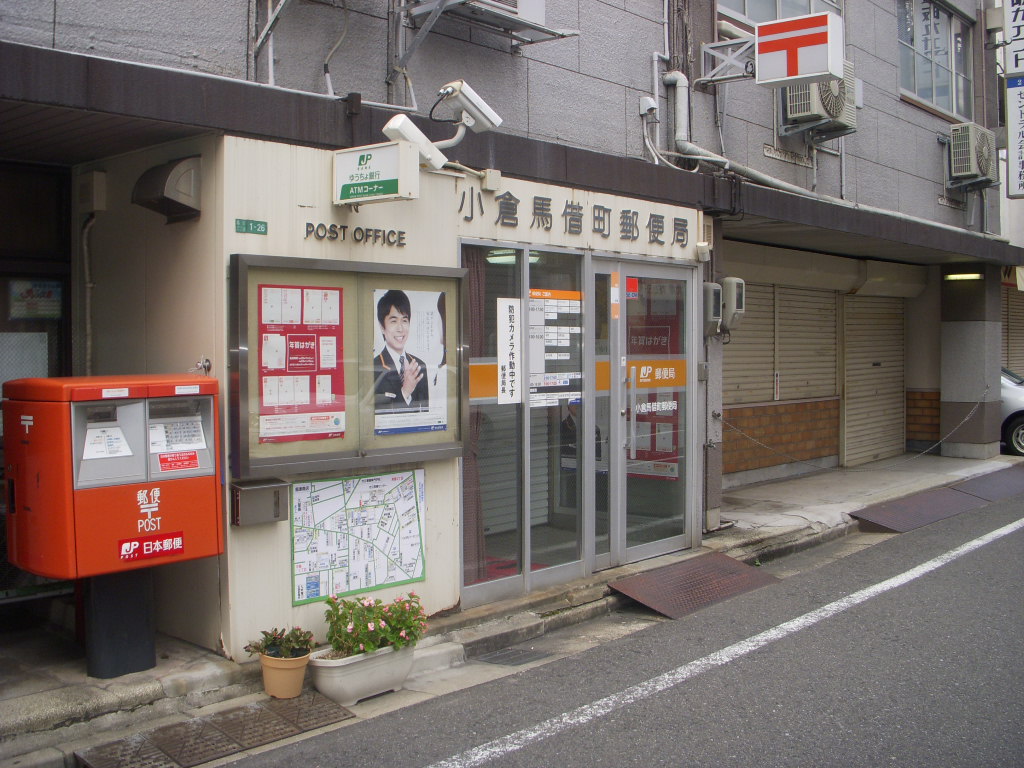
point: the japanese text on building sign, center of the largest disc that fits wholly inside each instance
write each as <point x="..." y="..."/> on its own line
<point x="1013" y="36"/>
<point x="1015" y="136"/>
<point x="626" y="224"/>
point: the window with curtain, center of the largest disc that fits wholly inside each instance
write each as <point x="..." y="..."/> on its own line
<point x="935" y="56"/>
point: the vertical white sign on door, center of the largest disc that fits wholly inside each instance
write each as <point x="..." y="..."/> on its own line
<point x="511" y="374"/>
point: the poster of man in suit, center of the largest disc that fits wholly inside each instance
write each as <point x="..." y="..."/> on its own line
<point x="410" y="384"/>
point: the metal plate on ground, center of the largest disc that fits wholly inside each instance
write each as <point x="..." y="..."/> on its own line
<point x="202" y="739"/>
<point x="253" y="726"/>
<point x="682" y="588"/>
<point x="193" y="742"/>
<point x="309" y="711"/>
<point x="916" y="511"/>
<point x="513" y="657"/>
<point x="995" y="486"/>
<point x="133" y="752"/>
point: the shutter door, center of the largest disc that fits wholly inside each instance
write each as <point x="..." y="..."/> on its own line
<point x="748" y="365"/>
<point x="499" y="477"/>
<point x="1013" y="329"/>
<point x="874" y="403"/>
<point x="806" y="342"/>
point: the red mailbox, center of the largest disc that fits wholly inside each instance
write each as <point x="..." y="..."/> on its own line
<point x="113" y="473"/>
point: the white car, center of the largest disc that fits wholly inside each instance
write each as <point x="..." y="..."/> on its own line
<point x="1013" y="412"/>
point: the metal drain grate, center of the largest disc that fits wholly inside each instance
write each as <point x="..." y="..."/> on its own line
<point x="915" y="511"/>
<point x="680" y="589"/>
<point x="253" y="726"/>
<point x="200" y="740"/>
<point x="193" y="742"/>
<point x="513" y="657"/>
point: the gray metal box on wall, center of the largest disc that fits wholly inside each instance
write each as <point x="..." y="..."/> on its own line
<point x="260" y="501"/>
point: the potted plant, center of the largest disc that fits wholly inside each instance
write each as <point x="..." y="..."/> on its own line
<point x="284" y="655"/>
<point x="371" y="646"/>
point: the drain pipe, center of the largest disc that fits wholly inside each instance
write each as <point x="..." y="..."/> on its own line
<point x="687" y="149"/>
<point x="656" y="59"/>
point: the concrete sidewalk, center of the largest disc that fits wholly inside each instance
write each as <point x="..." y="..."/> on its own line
<point x="49" y="708"/>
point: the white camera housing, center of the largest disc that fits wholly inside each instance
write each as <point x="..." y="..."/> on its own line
<point x="466" y="101"/>
<point x="401" y="128"/>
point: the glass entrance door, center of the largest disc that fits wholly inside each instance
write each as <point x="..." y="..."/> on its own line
<point x="644" y="504"/>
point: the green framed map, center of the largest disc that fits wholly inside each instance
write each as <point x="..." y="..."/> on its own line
<point x="357" y="534"/>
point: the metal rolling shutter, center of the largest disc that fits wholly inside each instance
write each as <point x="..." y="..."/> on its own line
<point x="1012" y="311"/>
<point x="748" y="365"/>
<point x="789" y="330"/>
<point x="499" y="476"/>
<point x="807" y="345"/>
<point x="874" y="405"/>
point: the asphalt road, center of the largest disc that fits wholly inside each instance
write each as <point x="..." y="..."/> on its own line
<point x="858" y="662"/>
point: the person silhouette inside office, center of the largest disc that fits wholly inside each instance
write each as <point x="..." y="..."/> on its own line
<point x="568" y="432"/>
<point x="400" y="379"/>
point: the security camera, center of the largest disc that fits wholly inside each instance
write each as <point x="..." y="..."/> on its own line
<point x="474" y="111"/>
<point x="401" y="128"/>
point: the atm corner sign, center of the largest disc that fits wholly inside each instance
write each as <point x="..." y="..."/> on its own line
<point x="376" y="173"/>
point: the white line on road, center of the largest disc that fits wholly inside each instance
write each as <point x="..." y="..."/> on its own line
<point x="585" y="714"/>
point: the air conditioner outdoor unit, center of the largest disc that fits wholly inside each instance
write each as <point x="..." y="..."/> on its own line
<point x="488" y="11"/>
<point x="972" y="153"/>
<point x="831" y="100"/>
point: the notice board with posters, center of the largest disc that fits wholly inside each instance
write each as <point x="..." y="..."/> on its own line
<point x="339" y="365"/>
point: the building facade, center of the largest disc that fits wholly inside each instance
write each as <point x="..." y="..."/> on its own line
<point x="169" y="184"/>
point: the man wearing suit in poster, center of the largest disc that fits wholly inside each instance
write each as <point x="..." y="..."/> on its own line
<point x="400" y="379"/>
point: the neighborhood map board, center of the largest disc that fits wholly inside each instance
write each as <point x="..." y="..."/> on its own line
<point x="355" y="534"/>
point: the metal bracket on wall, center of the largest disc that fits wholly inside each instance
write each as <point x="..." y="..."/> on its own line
<point x="420" y="36"/>
<point x="725" y="61"/>
<point x="521" y="30"/>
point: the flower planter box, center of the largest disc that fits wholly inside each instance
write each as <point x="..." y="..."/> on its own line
<point x="352" y="678"/>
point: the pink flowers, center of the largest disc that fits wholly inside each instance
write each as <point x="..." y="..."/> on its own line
<point x="363" y="625"/>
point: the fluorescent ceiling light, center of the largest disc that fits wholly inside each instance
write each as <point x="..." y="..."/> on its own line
<point x="964" y="276"/>
<point x="507" y="256"/>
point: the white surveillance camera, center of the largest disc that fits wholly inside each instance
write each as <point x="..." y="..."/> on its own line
<point x="466" y="101"/>
<point x="401" y="128"/>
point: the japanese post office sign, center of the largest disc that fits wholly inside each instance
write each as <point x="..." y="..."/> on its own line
<point x="376" y="173"/>
<point x="798" y="50"/>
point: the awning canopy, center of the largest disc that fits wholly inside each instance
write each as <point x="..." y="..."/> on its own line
<point x="60" y="108"/>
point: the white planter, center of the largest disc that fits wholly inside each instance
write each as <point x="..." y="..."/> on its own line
<point x="348" y="680"/>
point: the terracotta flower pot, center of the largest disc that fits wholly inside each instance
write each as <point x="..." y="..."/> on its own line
<point x="283" y="678"/>
<point x="348" y="680"/>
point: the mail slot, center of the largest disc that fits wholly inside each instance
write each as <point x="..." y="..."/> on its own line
<point x="109" y="474"/>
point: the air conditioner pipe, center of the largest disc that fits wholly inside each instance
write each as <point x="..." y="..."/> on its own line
<point x="687" y="149"/>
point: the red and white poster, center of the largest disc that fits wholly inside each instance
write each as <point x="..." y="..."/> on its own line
<point x="301" y="365"/>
